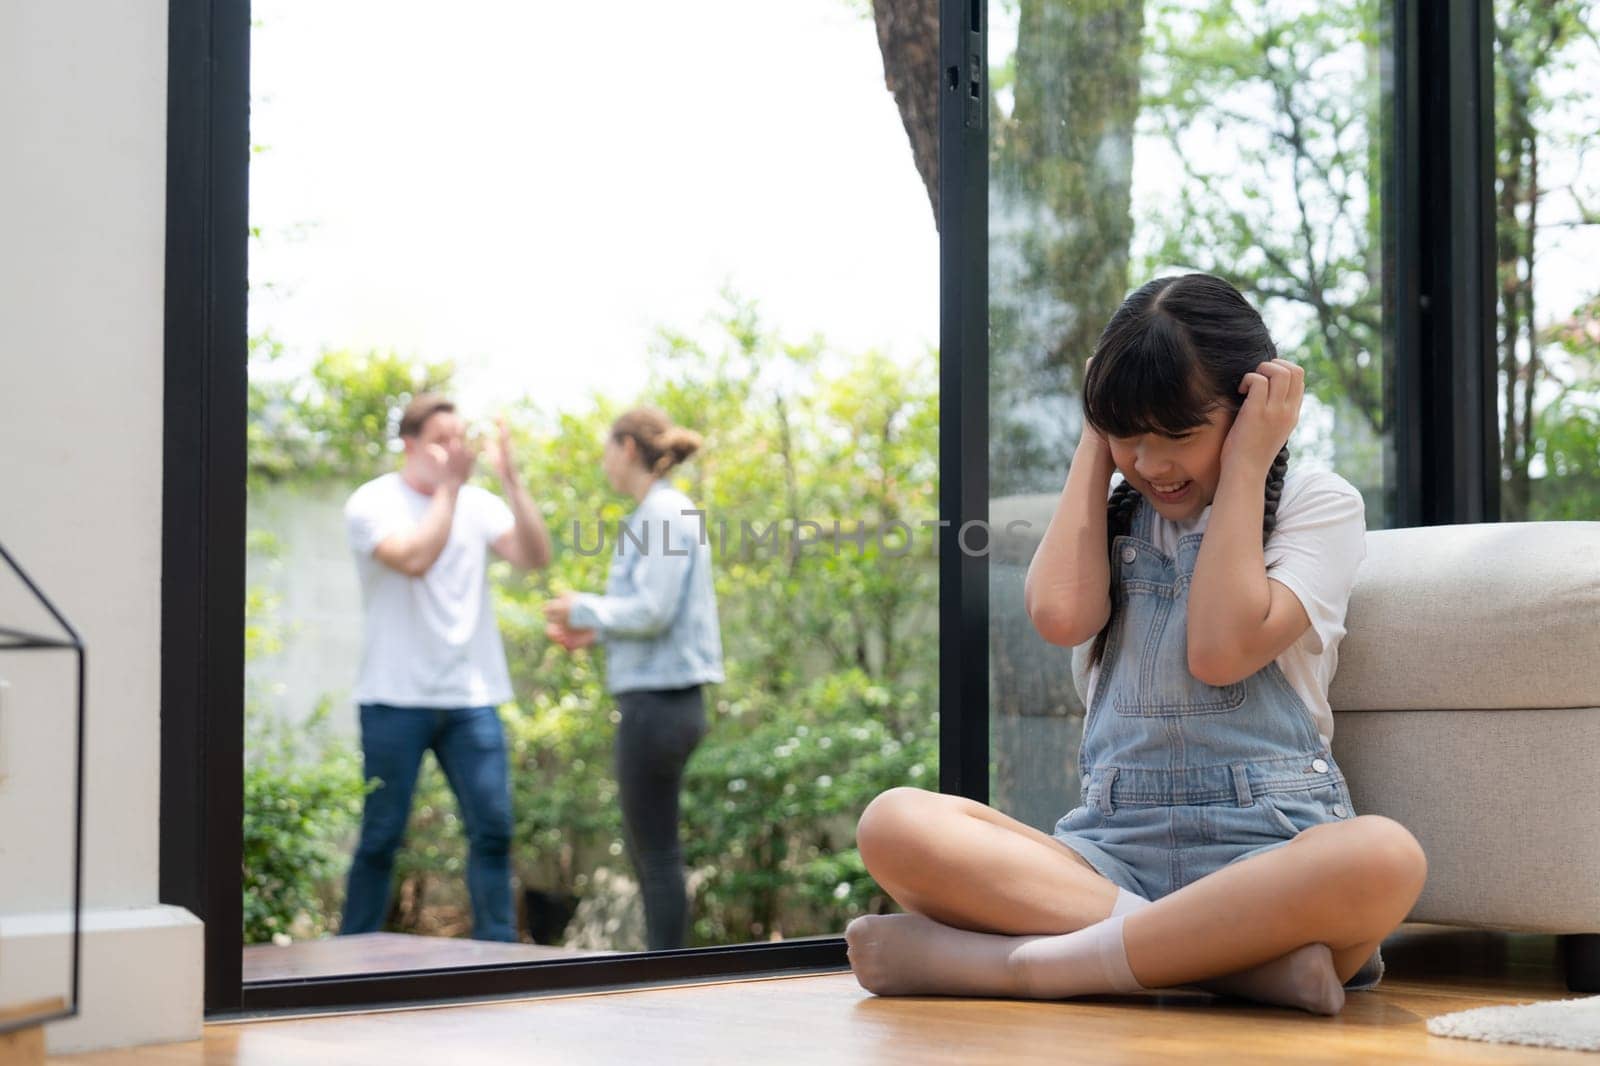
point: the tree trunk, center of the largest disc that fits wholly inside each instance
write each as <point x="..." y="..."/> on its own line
<point x="1523" y="494"/>
<point x="1077" y="96"/>
<point x="908" y="37"/>
<point x="1068" y="149"/>
<point x="1506" y="256"/>
<point x="1527" y="38"/>
<point x="1060" y="224"/>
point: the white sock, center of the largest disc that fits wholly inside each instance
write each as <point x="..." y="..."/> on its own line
<point x="911" y="954"/>
<point x="1127" y="903"/>
<point x="1304" y="978"/>
<point x="1089" y="961"/>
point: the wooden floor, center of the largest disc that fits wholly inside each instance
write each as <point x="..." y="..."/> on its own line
<point x="830" y="1019"/>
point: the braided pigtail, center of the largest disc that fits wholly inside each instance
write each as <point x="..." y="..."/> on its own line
<point x="1269" y="516"/>
<point x="1119" y="523"/>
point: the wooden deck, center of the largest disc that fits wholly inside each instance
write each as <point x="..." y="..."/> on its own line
<point x="367" y="953"/>
<point x="830" y="1019"/>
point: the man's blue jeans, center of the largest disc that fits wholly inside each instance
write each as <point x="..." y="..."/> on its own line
<point x="470" y="745"/>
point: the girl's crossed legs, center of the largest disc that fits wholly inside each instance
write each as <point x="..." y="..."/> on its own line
<point x="974" y="871"/>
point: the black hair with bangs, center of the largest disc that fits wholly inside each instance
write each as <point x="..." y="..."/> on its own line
<point x="1176" y="350"/>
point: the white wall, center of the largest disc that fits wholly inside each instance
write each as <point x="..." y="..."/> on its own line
<point x="316" y="609"/>
<point x="82" y="231"/>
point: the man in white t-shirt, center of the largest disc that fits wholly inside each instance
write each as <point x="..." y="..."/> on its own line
<point x="432" y="667"/>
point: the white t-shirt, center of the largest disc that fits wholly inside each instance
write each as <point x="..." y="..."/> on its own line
<point x="1315" y="549"/>
<point x="429" y="641"/>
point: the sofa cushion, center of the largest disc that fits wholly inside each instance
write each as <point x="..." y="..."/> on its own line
<point x="1501" y="615"/>
<point x="1490" y="796"/>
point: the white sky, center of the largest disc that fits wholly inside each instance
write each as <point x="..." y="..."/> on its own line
<point x="531" y="189"/>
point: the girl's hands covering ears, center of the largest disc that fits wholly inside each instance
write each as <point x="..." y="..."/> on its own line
<point x="1273" y="393"/>
<point x="1091" y="443"/>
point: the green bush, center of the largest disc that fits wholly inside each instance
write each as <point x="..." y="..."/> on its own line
<point x="773" y="794"/>
<point x="302" y="802"/>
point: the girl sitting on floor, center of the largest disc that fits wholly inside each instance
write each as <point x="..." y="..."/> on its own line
<point x="1216" y="845"/>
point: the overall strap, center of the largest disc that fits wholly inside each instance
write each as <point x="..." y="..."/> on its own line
<point x="1142" y="525"/>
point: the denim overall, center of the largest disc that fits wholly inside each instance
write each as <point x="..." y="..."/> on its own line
<point x="1181" y="778"/>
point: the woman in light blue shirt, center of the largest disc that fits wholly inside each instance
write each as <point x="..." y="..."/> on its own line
<point x="658" y="621"/>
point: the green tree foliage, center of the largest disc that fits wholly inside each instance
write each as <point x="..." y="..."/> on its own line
<point x="1276" y="116"/>
<point x="1291" y="212"/>
<point x="1567" y="437"/>
<point x="1545" y="114"/>
<point x="338" y="421"/>
<point x="1271" y="112"/>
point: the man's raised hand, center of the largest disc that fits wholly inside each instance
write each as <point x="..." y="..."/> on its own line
<point x="498" y="451"/>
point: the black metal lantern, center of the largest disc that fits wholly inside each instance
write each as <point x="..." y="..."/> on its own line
<point x="17" y="640"/>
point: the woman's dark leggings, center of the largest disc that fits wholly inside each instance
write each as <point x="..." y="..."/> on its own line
<point x="658" y="732"/>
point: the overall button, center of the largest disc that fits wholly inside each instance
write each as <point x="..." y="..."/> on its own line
<point x="1129" y="554"/>
<point x="1338" y="810"/>
<point x="1320" y="765"/>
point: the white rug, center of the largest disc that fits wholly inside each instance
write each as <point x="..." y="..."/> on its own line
<point x="1565" y="1023"/>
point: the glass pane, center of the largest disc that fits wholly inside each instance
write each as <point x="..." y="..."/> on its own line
<point x="558" y="212"/>
<point x="1547" y="187"/>
<point x="1138" y="139"/>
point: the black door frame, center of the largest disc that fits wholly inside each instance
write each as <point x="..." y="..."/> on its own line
<point x="203" y="470"/>
<point x="202" y="673"/>
<point x="1441" y="223"/>
<point x="1442" y="313"/>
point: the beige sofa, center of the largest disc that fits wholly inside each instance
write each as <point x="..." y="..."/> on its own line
<point x="1467" y="707"/>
